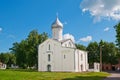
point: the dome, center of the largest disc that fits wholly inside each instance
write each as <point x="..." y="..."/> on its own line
<point x="57" y="24"/>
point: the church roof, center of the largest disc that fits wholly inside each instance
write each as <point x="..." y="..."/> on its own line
<point x="64" y="40"/>
<point x="57" y="23"/>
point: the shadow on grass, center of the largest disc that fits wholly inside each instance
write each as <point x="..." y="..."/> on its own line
<point x="92" y="78"/>
<point x="112" y="78"/>
<point x="85" y="78"/>
<point x="23" y="70"/>
<point x="116" y="72"/>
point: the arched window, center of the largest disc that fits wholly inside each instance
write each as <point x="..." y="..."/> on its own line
<point x="48" y="57"/>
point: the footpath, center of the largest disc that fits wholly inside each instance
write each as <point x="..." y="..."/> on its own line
<point x="113" y="76"/>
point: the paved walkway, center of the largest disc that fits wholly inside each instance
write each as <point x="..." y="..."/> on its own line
<point x="113" y="76"/>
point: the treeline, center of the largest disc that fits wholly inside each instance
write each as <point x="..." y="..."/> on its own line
<point x="8" y="58"/>
<point x="25" y="52"/>
<point x="110" y="53"/>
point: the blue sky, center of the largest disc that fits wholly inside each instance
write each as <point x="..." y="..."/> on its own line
<point x="83" y="20"/>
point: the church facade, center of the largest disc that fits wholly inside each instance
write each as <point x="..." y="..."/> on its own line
<point x="57" y="54"/>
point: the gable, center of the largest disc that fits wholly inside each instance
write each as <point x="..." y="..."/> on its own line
<point x="68" y="43"/>
<point x="49" y="43"/>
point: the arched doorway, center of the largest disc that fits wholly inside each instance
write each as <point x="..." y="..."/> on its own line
<point x="49" y="67"/>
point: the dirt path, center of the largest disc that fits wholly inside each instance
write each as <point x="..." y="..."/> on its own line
<point x="113" y="76"/>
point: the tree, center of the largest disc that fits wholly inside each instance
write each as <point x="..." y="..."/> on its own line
<point x="12" y="59"/>
<point x="4" y="57"/>
<point x="117" y="29"/>
<point x="34" y="39"/>
<point x="93" y="54"/>
<point x="26" y="51"/>
<point x="8" y="58"/>
<point x="109" y="53"/>
<point x="21" y="54"/>
<point x="81" y="47"/>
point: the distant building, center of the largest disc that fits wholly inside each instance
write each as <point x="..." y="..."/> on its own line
<point x="110" y="67"/>
<point x="13" y="66"/>
<point x="2" y="65"/>
<point x="57" y="54"/>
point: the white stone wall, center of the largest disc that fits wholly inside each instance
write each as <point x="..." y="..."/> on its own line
<point x="68" y="60"/>
<point x="57" y="33"/>
<point x="61" y="58"/>
<point x="57" y="57"/>
<point x="96" y="67"/>
<point x="76" y="61"/>
<point x="81" y="61"/>
<point x="86" y="62"/>
<point x="54" y="55"/>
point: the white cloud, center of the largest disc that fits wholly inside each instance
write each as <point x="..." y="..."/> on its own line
<point x="11" y="36"/>
<point x="86" y="39"/>
<point x="0" y="29"/>
<point x="106" y="29"/>
<point x="102" y="9"/>
<point x="69" y="36"/>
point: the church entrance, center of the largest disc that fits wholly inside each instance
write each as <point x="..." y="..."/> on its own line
<point x="49" y="67"/>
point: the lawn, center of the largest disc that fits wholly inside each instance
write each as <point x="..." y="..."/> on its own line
<point x="34" y="75"/>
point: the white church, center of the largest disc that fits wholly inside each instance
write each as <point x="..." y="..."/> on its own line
<point x="60" y="55"/>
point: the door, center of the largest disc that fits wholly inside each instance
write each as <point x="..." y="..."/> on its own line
<point x="49" y="67"/>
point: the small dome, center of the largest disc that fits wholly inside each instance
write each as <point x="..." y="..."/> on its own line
<point x="57" y="24"/>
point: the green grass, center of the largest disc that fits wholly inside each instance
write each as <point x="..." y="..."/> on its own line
<point x="34" y="75"/>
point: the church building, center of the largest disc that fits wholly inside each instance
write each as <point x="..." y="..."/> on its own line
<point x="61" y="55"/>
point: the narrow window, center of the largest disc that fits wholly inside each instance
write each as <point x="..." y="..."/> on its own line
<point x="48" y="57"/>
<point x="64" y="56"/>
<point x="81" y="57"/>
<point x="69" y="44"/>
<point x="49" y="47"/>
<point x="81" y="67"/>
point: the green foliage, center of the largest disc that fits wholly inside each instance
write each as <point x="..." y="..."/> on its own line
<point x="4" y="57"/>
<point x="81" y="47"/>
<point x="93" y="52"/>
<point x="109" y="52"/>
<point x="26" y="51"/>
<point x="8" y="58"/>
<point x="117" y="29"/>
<point x="26" y="75"/>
